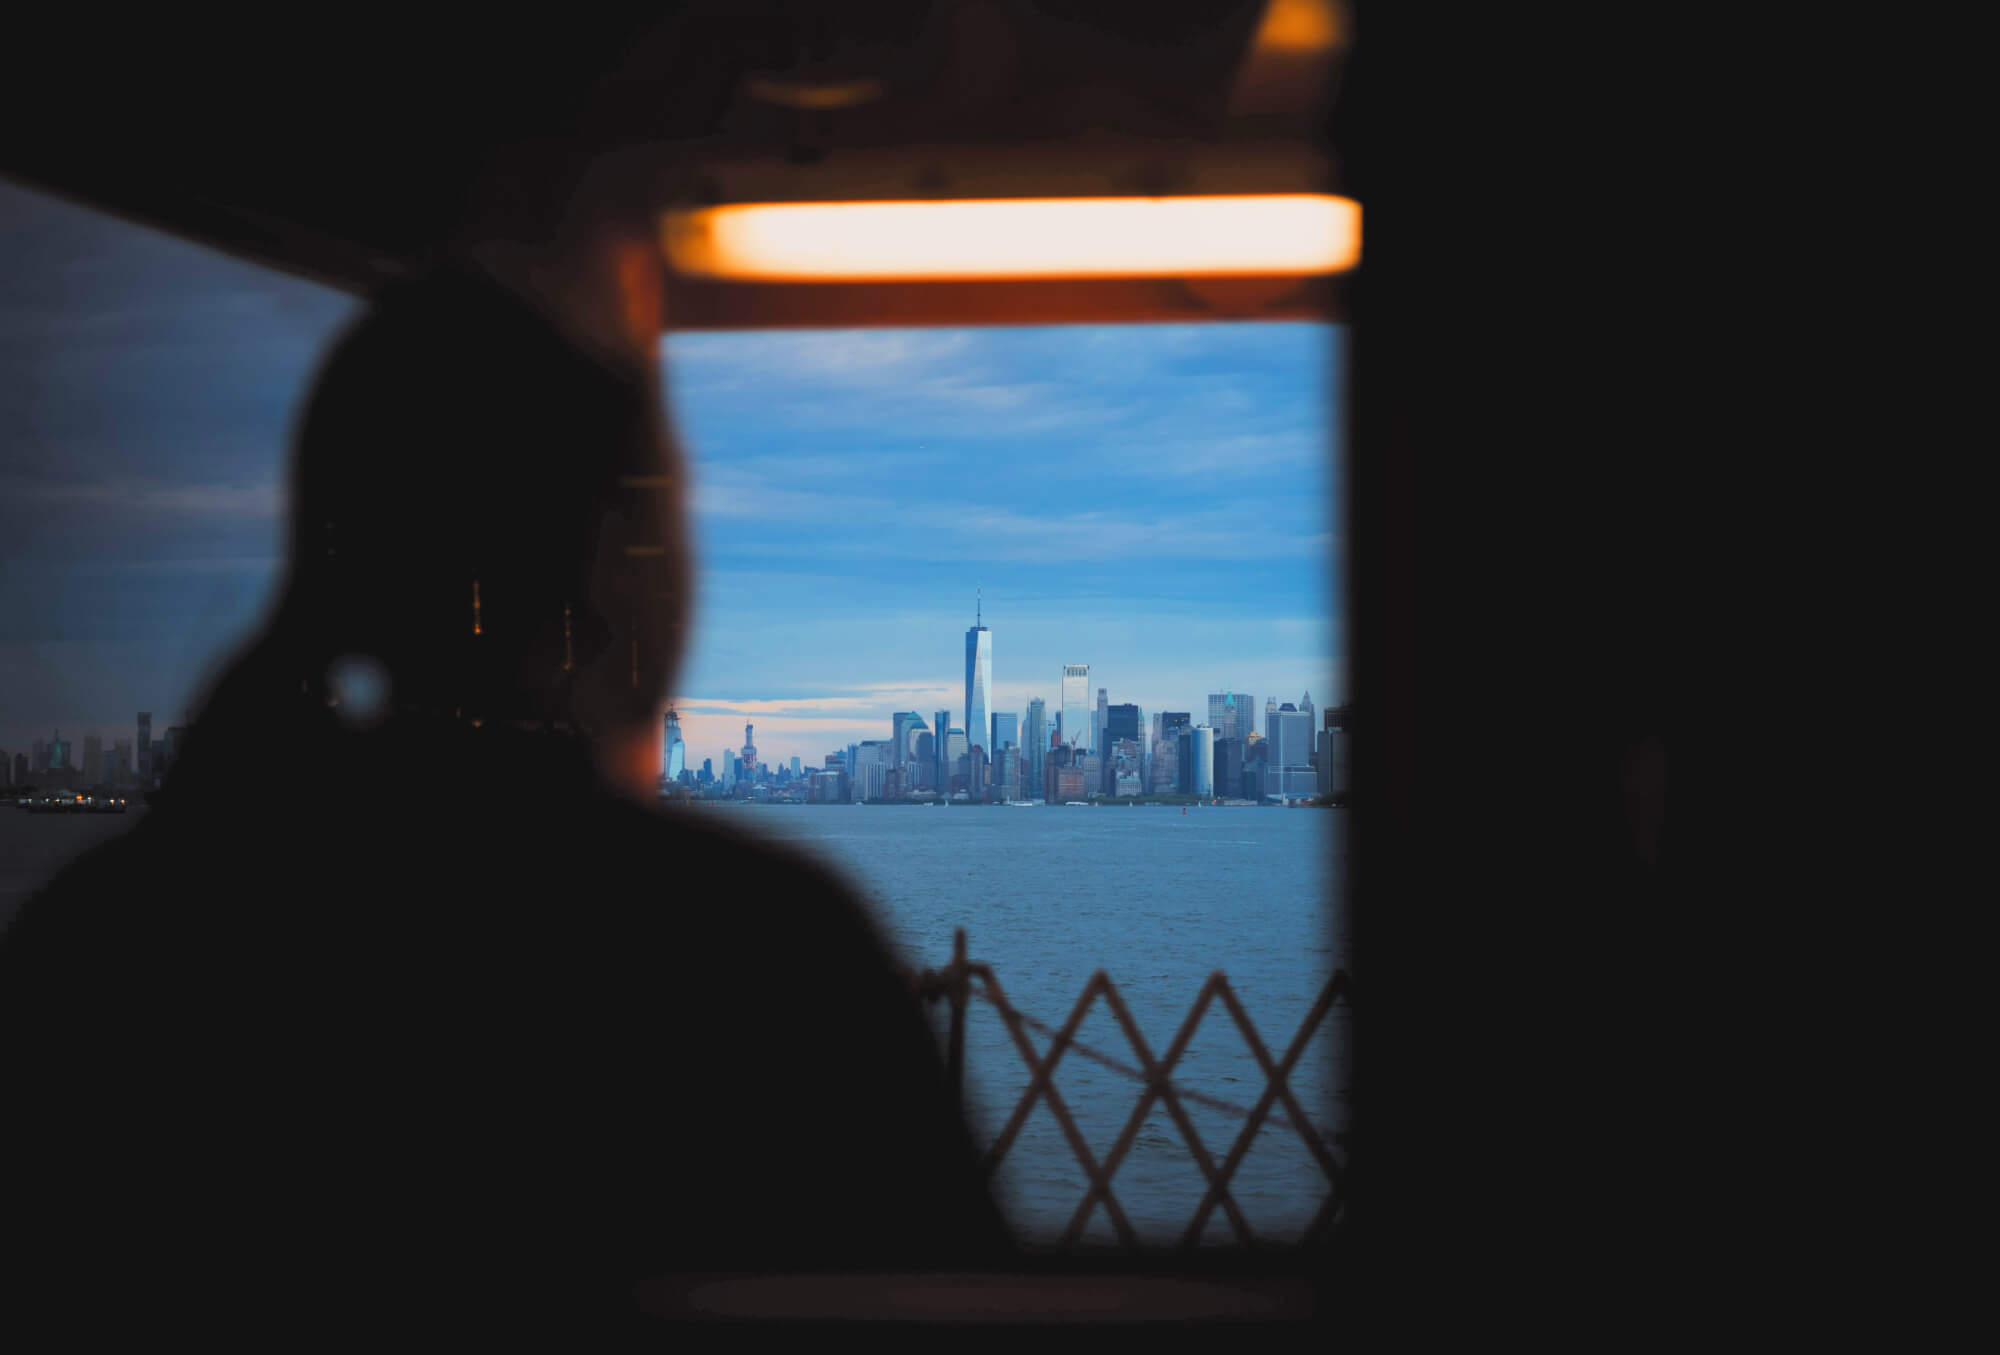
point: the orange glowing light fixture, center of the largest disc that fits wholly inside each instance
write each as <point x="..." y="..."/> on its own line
<point x="1284" y="234"/>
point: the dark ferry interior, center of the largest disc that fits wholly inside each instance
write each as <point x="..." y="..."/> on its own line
<point x="338" y="147"/>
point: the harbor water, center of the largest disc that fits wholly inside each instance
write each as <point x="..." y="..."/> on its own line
<point x="1157" y="898"/>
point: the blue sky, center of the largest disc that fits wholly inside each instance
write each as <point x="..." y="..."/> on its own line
<point x="1156" y="501"/>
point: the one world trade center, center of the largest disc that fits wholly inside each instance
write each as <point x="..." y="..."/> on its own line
<point x="978" y="681"/>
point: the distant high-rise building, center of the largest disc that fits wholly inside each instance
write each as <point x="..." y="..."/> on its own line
<point x="1006" y="730"/>
<point x="1232" y="714"/>
<point x="20" y="769"/>
<point x="1331" y="762"/>
<point x="673" y="757"/>
<point x="143" y="748"/>
<point x="1171" y="754"/>
<point x="978" y="679"/>
<point x="1076" y="705"/>
<point x="1288" y="760"/>
<point x="871" y="772"/>
<point x="1063" y="774"/>
<point x="93" y="757"/>
<point x="121" y="755"/>
<point x="900" y="725"/>
<point x="1125" y="771"/>
<point x="1202" y="775"/>
<point x="1035" y="746"/>
<point x="797" y="769"/>
<point x="940" y="728"/>
<point x="1229" y="768"/>
<point x="749" y="753"/>
<point x="1093" y="772"/>
<point x="1121" y="722"/>
<point x="1007" y="772"/>
<point x="1097" y="740"/>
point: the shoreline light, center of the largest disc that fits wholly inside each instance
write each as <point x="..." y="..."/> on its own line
<point x="1284" y="234"/>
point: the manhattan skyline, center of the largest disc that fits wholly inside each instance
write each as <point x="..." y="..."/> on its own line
<point x="1156" y="501"/>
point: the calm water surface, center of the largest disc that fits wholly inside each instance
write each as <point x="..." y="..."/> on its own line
<point x="1159" y="900"/>
<point x="1156" y="898"/>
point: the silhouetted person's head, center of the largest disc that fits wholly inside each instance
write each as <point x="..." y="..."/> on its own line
<point x="486" y="499"/>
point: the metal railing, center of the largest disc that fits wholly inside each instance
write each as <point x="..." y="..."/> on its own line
<point x="954" y="984"/>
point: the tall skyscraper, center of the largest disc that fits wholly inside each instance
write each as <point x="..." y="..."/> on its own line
<point x="900" y="726"/>
<point x="1289" y="731"/>
<point x="674" y="755"/>
<point x="1121" y="722"/>
<point x="1233" y="715"/>
<point x="1076" y="705"/>
<point x="93" y="757"/>
<point x="1007" y="773"/>
<point x="143" y="749"/>
<point x="1006" y="730"/>
<point x="871" y="776"/>
<point x="1332" y="765"/>
<point x="940" y="731"/>
<point x="1202" y="779"/>
<point x="1098" y="743"/>
<point x="1229" y="768"/>
<point x="978" y="678"/>
<point x="1172" y="751"/>
<point x="1035" y="746"/>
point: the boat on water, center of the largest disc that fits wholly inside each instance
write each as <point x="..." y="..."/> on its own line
<point x="74" y="804"/>
<point x="1081" y="804"/>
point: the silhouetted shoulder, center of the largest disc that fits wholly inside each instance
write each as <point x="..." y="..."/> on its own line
<point x="100" y="901"/>
<point x="734" y="868"/>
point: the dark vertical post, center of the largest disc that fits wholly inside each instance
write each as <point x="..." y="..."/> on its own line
<point x="955" y="1059"/>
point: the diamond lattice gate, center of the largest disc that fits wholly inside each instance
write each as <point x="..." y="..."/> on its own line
<point x="955" y="984"/>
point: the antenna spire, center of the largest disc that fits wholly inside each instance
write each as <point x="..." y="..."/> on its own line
<point x="978" y="606"/>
